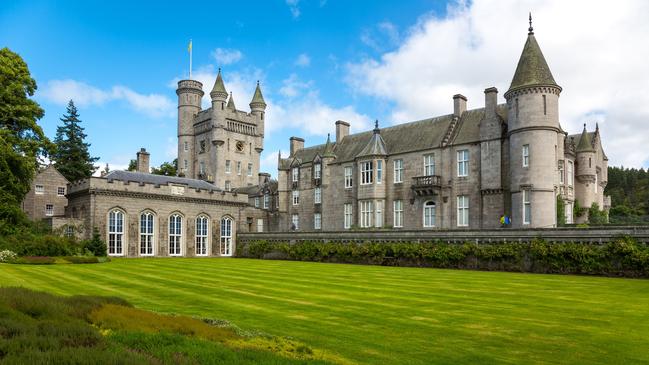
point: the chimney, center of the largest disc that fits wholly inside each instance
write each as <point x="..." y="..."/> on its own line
<point x="143" y="161"/>
<point x="490" y="101"/>
<point x="262" y="177"/>
<point x="342" y="130"/>
<point x="459" y="105"/>
<point x="297" y="144"/>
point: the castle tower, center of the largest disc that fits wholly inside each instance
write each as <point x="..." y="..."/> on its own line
<point x="586" y="190"/>
<point x="533" y="129"/>
<point x="258" y="109"/>
<point x="491" y="156"/>
<point x="189" y="94"/>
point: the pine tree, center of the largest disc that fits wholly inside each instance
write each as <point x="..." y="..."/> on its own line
<point x="72" y="158"/>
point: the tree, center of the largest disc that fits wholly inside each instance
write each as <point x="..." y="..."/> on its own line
<point x="71" y="157"/>
<point x="166" y="169"/>
<point x="132" y="165"/>
<point x="22" y="141"/>
<point x="561" y="211"/>
<point x="96" y="245"/>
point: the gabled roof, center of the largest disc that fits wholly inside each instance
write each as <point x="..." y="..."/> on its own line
<point x="532" y="68"/>
<point x="146" y="178"/>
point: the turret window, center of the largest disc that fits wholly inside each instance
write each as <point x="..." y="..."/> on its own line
<point x="516" y="108"/>
<point x="367" y="172"/>
<point x="527" y="207"/>
<point x="317" y="195"/>
<point x="526" y="155"/>
<point x="545" y="107"/>
<point x="186" y="146"/>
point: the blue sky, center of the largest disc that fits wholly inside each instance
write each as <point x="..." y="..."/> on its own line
<point x="319" y="61"/>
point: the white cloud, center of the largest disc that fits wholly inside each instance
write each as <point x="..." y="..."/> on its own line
<point x="303" y="60"/>
<point x="226" y="56"/>
<point x="61" y="91"/>
<point x="384" y="35"/>
<point x="596" y="51"/>
<point x="293" y="7"/>
<point x="293" y="86"/>
<point x="268" y="163"/>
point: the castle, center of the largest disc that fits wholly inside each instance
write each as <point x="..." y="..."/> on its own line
<point x="464" y="170"/>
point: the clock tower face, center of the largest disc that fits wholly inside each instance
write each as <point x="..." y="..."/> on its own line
<point x="239" y="146"/>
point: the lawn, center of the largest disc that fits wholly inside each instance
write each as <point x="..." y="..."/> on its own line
<point x="381" y="315"/>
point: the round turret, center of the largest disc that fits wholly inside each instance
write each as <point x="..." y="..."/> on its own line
<point x="190" y="93"/>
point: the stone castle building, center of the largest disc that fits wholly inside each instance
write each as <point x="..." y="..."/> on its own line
<point x="462" y="170"/>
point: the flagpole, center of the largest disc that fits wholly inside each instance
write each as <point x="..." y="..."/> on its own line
<point x="190" y="58"/>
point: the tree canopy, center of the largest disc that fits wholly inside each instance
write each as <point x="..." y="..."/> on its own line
<point x="629" y="191"/>
<point x="166" y="168"/>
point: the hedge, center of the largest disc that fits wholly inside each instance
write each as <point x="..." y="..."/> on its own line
<point x="621" y="257"/>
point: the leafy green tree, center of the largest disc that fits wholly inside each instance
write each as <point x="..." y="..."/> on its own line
<point x="132" y="165"/>
<point x="71" y="157"/>
<point x="596" y="216"/>
<point x="22" y="141"/>
<point x="166" y="169"/>
<point x="96" y="245"/>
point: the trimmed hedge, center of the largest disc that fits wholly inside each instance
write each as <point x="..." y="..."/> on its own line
<point x="622" y="257"/>
<point x="35" y="260"/>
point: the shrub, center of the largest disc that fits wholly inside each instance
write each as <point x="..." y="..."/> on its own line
<point x="95" y="245"/>
<point x="26" y="243"/>
<point x="7" y="256"/>
<point x="35" y="260"/>
<point x="81" y="259"/>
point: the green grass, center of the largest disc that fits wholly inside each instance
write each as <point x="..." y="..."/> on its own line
<point x="382" y="315"/>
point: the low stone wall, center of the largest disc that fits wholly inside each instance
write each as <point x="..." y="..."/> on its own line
<point x="586" y="235"/>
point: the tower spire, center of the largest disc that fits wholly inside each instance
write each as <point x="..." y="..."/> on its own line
<point x="530" y="30"/>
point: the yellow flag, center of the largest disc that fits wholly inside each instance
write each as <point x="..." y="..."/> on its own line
<point x="189" y="48"/>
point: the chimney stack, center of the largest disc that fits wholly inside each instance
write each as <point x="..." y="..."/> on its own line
<point x="342" y="130"/>
<point x="459" y="105"/>
<point x="490" y="101"/>
<point x="297" y="144"/>
<point x="143" y="161"/>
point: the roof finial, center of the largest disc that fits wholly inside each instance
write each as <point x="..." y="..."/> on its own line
<point x="376" y="126"/>
<point x="530" y="30"/>
<point x="584" y="125"/>
<point x="257" y="82"/>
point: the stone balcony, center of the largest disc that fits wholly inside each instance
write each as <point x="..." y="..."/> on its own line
<point x="426" y="185"/>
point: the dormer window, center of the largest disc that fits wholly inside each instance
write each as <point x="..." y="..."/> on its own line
<point x="317" y="171"/>
<point x="296" y="174"/>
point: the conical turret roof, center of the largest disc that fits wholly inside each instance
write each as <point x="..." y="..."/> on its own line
<point x="376" y="144"/>
<point x="231" y="102"/>
<point x="219" y="87"/>
<point x="328" y="150"/>
<point x="258" y="98"/>
<point x="532" y="68"/>
<point x="585" y="144"/>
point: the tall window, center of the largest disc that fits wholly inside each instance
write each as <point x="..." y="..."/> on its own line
<point x="367" y="172"/>
<point x="49" y="210"/>
<point x="39" y="189"/>
<point x="185" y="164"/>
<point x="260" y="225"/>
<point x="317" y="171"/>
<point x="527" y="207"/>
<point x="463" y="163"/>
<point x="398" y="213"/>
<point x="570" y="172"/>
<point x="367" y="211"/>
<point x="202" y="224"/>
<point x="348" y="216"/>
<point x="526" y="155"/>
<point x="238" y="167"/>
<point x="228" y="185"/>
<point x="60" y="191"/>
<point x="295" y="220"/>
<point x="296" y="197"/>
<point x="429" y="165"/>
<point x="256" y="202"/>
<point x="186" y="146"/>
<point x="379" y="171"/>
<point x="545" y="106"/>
<point x="115" y="232"/>
<point x="429" y="214"/>
<point x="249" y="169"/>
<point x="349" y="180"/>
<point x="266" y="201"/>
<point x="462" y="211"/>
<point x="317" y="195"/>
<point x="378" y="222"/>
<point x="317" y="221"/>
<point x="175" y="234"/>
<point x="561" y="178"/>
<point x="226" y="236"/>
<point x="146" y="233"/>
<point x="228" y="166"/>
<point x="201" y="167"/>
<point x="398" y="171"/>
<point x="296" y="174"/>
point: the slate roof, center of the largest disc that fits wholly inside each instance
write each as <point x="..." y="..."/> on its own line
<point x="532" y="68"/>
<point x="231" y="102"/>
<point x="257" y="190"/>
<point x="258" y="98"/>
<point x="401" y="138"/>
<point x="219" y="86"/>
<point x="141" y="177"/>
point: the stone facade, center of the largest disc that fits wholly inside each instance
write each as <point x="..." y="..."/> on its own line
<point x="463" y="170"/>
<point x="46" y="197"/>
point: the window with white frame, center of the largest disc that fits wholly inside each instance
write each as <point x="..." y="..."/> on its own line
<point x="463" y="163"/>
<point x="429" y="164"/>
<point x="115" y="232"/>
<point x="462" y="211"/>
<point x="430" y="213"/>
<point x="69" y="231"/>
<point x="527" y="207"/>
<point x="570" y="173"/>
<point x="317" y="171"/>
<point x="379" y="171"/>
<point x="146" y="233"/>
<point x="49" y="210"/>
<point x="561" y="178"/>
<point x="367" y="213"/>
<point x="398" y="171"/>
<point x="317" y="221"/>
<point x="296" y="174"/>
<point x="398" y="213"/>
<point x="266" y="201"/>
<point x="378" y="216"/>
<point x="249" y="169"/>
<point x="256" y="202"/>
<point x="226" y="236"/>
<point x="526" y="155"/>
<point x="175" y="234"/>
<point x="367" y="172"/>
<point x="595" y="184"/>
<point x="228" y="166"/>
<point x="202" y="224"/>
<point x="60" y="191"/>
<point x="296" y="197"/>
<point x="228" y="185"/>
<point x="349" y="177"/>
<point x="238" y="167"/>
<point x="185" y="165"/>
<point x="317" y="195"/>
<point x="201" y="167"/>
<point x="348" y="216"/>
<point x="39" y="189"/>
<point x="295" y="220"/>
<point x="260" y="225"/>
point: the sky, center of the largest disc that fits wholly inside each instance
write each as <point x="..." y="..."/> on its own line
<point x="319" y="61"/>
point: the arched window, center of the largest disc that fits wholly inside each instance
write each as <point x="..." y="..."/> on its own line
<point x="146" y="233"/>
<point x="226" y="236"/>
<point x="429" y="214"/>
<point x="202" y="224"/>
<point x="175" y="234"/>
<point x="116" y="232"/>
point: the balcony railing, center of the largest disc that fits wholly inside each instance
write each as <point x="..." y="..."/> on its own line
<point x="426" y="185"/>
